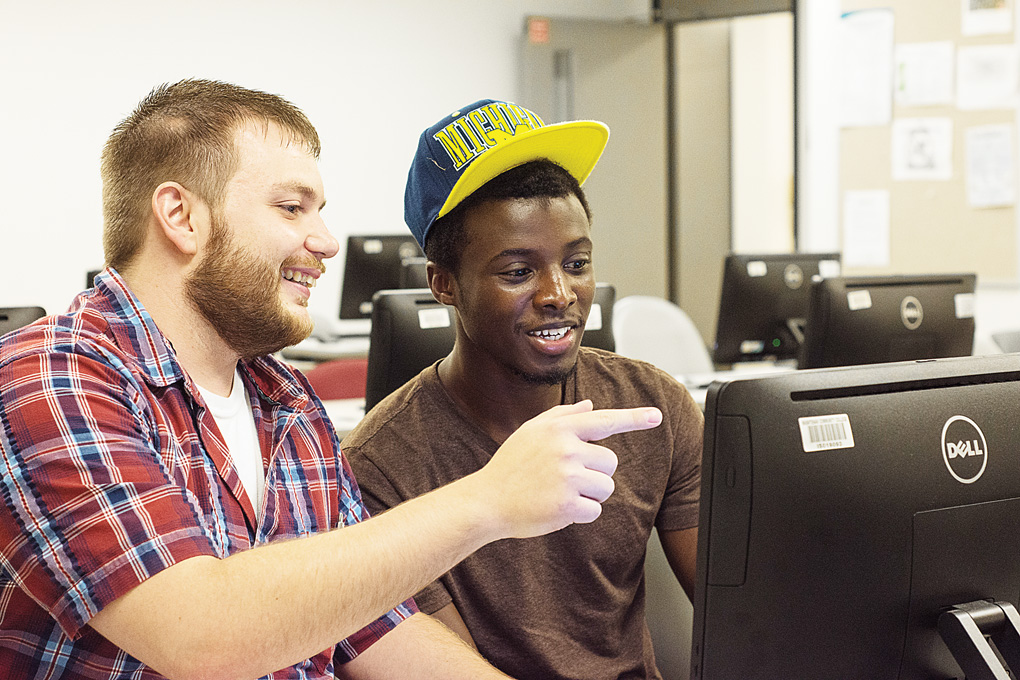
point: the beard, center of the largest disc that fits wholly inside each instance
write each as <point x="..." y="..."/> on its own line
<point x="239" y="294"/>
<point x="553" y="377"/>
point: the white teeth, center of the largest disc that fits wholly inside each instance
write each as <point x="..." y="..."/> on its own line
<point x="551" y="334"/>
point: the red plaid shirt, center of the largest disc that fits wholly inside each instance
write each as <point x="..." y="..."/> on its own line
<point x="112" y="469"/>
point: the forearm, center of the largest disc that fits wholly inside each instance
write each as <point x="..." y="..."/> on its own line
<point x="420" y="648"/>
<point x="267" y="608"/>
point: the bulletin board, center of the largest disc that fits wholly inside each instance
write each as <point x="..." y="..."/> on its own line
<point x="943" y="168"/>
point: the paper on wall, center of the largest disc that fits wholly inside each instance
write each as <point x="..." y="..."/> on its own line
<point x="986" y="77"/>
<point x="982" y="17"/>
<point x="990" y="169"/>
<point x="924" y="73"/>
<point x="866" y="67"/>
<point x="922" y="148"/>
<point x="866" y="228"/>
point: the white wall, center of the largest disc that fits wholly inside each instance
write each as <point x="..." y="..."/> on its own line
<point x="370" y="75"/>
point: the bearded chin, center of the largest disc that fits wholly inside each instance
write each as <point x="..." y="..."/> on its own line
<point x="239" y="295"/>
<point x="550" y="378"/>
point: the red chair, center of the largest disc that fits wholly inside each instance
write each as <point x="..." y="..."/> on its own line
<point x="340" y="378"/>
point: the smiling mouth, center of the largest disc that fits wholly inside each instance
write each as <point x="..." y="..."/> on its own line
<point x="306" y="280"/>
<point x="551" y="333"/>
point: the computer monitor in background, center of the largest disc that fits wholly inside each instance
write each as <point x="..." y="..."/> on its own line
<point x="871" y="319"/>
<point x="763" y="303"/>
<point x="843" y="510"/>
<point x="372" y="263"/>
<point x="410" y="331"/>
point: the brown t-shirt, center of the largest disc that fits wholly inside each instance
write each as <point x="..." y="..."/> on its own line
<point x="569" y="604"/>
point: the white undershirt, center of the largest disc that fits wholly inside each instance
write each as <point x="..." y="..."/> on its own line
<point x="237" y="425"/>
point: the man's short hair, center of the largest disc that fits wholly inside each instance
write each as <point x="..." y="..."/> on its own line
<point x="184" y="132"/>
<point x="535" y="179"/>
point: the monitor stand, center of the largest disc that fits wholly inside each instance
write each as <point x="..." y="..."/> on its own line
<point x="966" y="629"/>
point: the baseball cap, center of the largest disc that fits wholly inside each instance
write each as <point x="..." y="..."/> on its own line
<point x="472" y="145"/>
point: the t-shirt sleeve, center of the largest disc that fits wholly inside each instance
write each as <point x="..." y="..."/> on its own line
<point x="89" y="508"/>
<point x="679" y="509"/>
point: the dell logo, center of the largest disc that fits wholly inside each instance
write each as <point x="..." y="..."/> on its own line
<point x="793" y="276"/>
<point x="961" y="449"/>
<point x="964" y="449"/>
<point x="911" y="312"/>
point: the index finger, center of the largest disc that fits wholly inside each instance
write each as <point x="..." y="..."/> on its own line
<point x="601" y="423"/>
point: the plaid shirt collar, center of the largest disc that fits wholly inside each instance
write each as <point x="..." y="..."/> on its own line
<point x="134" y="331"/>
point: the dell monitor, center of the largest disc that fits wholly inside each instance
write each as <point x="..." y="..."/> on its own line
<point x="848" y="513"/>
<point x="763" y="304"/>
<point x="872" y="319"/>
<point x="372" y="263"/>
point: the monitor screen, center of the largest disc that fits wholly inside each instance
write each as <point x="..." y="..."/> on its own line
<point x="372" y="263"/>
<point x="843" y="510"/>
<point x="763" y="303"/>
<point x="873" y="319"/>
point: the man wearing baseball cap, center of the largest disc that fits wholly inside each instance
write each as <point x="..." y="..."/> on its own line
<point x="494" y="198"/>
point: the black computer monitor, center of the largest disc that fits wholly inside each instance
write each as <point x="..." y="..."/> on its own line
<point x="843" y="510"/>
<point x="372" y="263"/>
<point x="763" y="303"/>
<point x="410" y="331"/>
<point x="871" y="319"/>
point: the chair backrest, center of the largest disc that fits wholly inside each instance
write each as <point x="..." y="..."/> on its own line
<point x="13" y="318"/>
<point x="410" y="331"/>
<point x="1007" y="341"/>
<point x="343" y="378"/>
<point x="657" y="331"/>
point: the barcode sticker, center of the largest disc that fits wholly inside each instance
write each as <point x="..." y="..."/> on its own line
<point x="825" y="433"/>
<point x="964" y="305"/>
<point x="757" y="268"/>
<point x="858" y="299"/>
<point x="434" y="317"/>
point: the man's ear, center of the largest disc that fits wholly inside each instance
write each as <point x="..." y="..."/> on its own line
<point x="443" y="284"/>
<point x="173" y="208"/>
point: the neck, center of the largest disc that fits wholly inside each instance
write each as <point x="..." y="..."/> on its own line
<point x="199" y="348"/>
<point x="500" y="403"/>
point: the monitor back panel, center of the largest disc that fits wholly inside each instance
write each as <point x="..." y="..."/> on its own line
<point x="410" y="331"/>
<point x="373" y="263"/>
<point x="829" y="500"/>
<point x="873" y="319"/>
<point x="760" y="293"/>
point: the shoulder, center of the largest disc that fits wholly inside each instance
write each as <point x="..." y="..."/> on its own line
<point x="602" y="369"/>
<point x="78" y="342"/>
<point x="400" y="419"/>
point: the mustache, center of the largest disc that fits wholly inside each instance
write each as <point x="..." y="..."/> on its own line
<point x="304" y="263"/>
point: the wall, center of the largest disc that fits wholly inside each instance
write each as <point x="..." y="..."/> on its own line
<point x="370" y="75"/>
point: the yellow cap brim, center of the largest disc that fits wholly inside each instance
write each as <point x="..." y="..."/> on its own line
<point x="575" y="145"/>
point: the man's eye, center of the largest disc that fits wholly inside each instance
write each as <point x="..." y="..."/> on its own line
<point x="577" y="264"/>
<point x="517" y="273"/>
<point x="292" y="209"/>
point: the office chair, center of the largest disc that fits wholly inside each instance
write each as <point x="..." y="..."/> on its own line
<point x="668" y="613"/>
<point x="343" y="378"/>
<point x="410" y="331"/>
<point x="657" y="331"/>
<point x="12" y="318"/>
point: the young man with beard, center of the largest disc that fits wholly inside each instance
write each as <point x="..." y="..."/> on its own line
<point x="155" y="458"/>
<point x="494" y="198"/>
